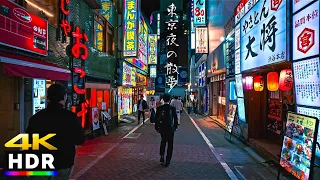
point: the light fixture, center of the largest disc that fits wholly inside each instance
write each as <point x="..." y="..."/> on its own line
<point x="222" y="39"/>
<point x="40" y="9"/>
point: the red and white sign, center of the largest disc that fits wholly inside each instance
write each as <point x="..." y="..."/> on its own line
<point x="239" y="11"/>
<point x="306" y="32"/>
<point x="22" y="30"/>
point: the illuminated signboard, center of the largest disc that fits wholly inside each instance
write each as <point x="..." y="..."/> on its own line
<point x="314" y="113"/>
<point x="130" y="28"/>
<point x="263" y="35"/>
<point x="199" y="12"/>
<point x="239" y="11"/>
<point x="237" y="37"/>
<point x="305" y="25"/>
<point x="307" y="82"/>
<point x="298" y="148"/>
<point x="239" y="87"/>
<point x="136" y="62"/>
<point x="21" y="29"/>
<point x="241" y="110"/>
<point x="158" y="26"/>
<point x="143" y="38"/>
<point x="99" y="36"/>
<point x="153" y="71"/>
<point x="39" y="95"/>
<point x="232" y="87"/>
<point x="128" y="75"/>
<point x="106" y="10"/>
<point x="153" y="46"/>
<point x="249" y="4"/>
<point x="202" y="40"/>
<point x="298" y="4"/>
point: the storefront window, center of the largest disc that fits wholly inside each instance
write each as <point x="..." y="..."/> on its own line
<point x="46" y="9"/>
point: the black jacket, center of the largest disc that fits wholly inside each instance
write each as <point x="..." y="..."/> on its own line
<point x="166" y="107"/>
<point x="144" y="104"/>
<point x="65" y="124"/>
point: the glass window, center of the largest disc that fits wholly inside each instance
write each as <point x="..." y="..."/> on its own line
<point x="46" y="9"/>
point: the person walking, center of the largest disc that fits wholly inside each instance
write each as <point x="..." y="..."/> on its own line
<point x="62" y="122"/>
<point x="195" y="105"/>
<point x="189" y="106"/>
<point x="166" y="124"/>
<point x="178" y="105"/>
<point x="153" y="106"/>
<point x="142" y="107"/>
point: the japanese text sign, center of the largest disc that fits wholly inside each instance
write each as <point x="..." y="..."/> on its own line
<point x="263" y="35"/>
<point x="143" y="33"/>
<point x="130" y="28"/>
<point x="107" y="9"/>
<point x="153" y="71"/>
<point x="306" y="32"/>
<point x="239" y="11"/>
<point x="202" y="40"/>
<point x="128" y="75"/>
<point x="297" y="153"/>
<point x="199" y="12"/>
<point x="22" y="30"/>
<point x="153" y="46"/>
<point x="298" y="4"/>
<point x="241" y="109"/>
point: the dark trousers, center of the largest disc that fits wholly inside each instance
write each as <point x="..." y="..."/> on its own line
<point x="195" y="109"/>
<point x="166" y="137"/>
<point x="139" y="113"/>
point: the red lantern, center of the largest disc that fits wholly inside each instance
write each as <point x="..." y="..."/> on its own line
<point x="249" y="83"/>
<point x="258" y="83"/>
<point x="286" y="80"/>
<point x="273" y="81"/>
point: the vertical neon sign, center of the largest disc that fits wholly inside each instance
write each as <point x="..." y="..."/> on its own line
<point x="130" y="28"/>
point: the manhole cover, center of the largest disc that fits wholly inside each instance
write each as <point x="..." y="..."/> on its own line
<point x="133" y="135"/>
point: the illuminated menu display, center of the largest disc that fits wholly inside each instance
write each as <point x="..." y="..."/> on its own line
<point x="239" y="88"/>
<point x="298" y="145"/>
<point x="307" y="82"/>
<point x="39" y="95"/>
<point x="241" y="110"/>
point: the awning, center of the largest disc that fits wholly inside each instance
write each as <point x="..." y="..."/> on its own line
<point x="16" y="65"/>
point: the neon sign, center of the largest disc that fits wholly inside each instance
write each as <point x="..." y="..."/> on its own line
<point x="153" y="42"/>
<point x="130" y="28"/>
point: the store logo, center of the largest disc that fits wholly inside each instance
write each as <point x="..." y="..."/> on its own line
<point x="306" y="40"/>
<point x="22" y="15"/>
<point x="275" y="4"/>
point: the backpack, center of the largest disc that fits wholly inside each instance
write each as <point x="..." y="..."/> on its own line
<point x="166" y="119"/>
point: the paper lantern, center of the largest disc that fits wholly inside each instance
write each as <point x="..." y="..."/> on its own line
<point x="272" y="81"/>
<point x="258" y="83"/>
<point x="285" y="80"/>
<point x="249" y="83"/>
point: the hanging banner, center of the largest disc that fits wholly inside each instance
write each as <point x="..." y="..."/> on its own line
<point x="199" y="12"/>
<point x="182" y="76"/>
<point x="130" y="28"/>
<point x="305" y="26"/>
<point x="143" y="38"/>
<point x="22" y="30"/>
<point x="107" y="10"/>
<point x="202" y="40"/>
<point x="161" y="81"/>
<point x="263" y="35"/>
<point x="298" y="148"/>
<point x="153" y="49"/>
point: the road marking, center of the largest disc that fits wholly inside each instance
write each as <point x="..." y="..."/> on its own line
<point x="221" y="161"/>
<point x="134" y="129"/>
<point x="86" y="168"/>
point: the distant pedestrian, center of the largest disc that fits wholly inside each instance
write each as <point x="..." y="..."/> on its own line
<point x="189" y="106"/>
<point x="178" y="105"/>
<point x="56" y="119"/>
<point x="195" y="105"/>
<point x="142" y="107"/>
<point x="166" y="125"/>
<point x="153" y="107"/>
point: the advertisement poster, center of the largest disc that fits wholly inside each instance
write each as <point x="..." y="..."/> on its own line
<point x="130" y="28"/>
<point x="241" y="110"/>
<point x="239" y="86"/>
<point x="298" y="145"/>
<point x="307" y="82"/>
<point x="125" y="101"/>
<point x="39" y="95"/>
<point x="22" y="30"/>
<point x="314" y="113"/>
<point x="199" y="12"/>
<point x="95" y="118"/>
<point x="263" y="40"/>
<point x="143" y="39"/>
<point x="231" y="114"/>
<point x="128" y="75"/>
<point x="232" y="96"/>
<point x="305" y="26"/>
<point x="201" y="40"/>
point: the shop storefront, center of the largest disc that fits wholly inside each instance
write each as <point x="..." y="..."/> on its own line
<point x="218" y="100"/>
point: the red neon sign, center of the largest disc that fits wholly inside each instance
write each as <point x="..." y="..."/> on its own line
<point x="62" y="6"/>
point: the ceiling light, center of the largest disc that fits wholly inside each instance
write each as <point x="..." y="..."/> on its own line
<point x="40" y="9"/>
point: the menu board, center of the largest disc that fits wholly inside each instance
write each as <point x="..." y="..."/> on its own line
<point x="39" y="95"/>
<point x="241" y="110"/>
<point x="239" y="88"/>
<point x="230" y="118"/>
<point x="314" y="113"/>
<point x="307" y="82"/>
<point x="297" y="152"/>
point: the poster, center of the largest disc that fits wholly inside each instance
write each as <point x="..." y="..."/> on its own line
<point x="263" y="40"/>
<point x="239" y="86"/>
<point x="314" y="113"/>
<point x="95" y="118"/>
<point x="201" y="40"/>
<point x="39" y="95"/>
<point x="130" y="28"/>
<point x="298" y="145"/>
<point x="231" y="115"/>
<point x="307" y="82"/>
<point x="305" y="29"/>
<point x="241" y="110"/>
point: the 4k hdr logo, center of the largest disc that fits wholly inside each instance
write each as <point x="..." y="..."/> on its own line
<point x="27" y="161"/>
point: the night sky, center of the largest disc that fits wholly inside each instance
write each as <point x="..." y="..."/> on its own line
<point x="148" y="6"/>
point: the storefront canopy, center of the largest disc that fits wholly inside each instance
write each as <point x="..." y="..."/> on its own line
<point x="16" y="65"/>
